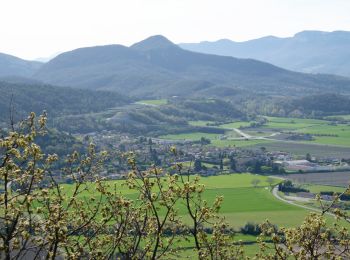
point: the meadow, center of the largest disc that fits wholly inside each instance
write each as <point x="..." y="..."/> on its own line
<point x="242" y="202"/>
<point x="215" y="139"/>
<point x="292" y="123"/>
<point x="196" y="136"/>
<point x="154" y="102"/>
<point x="344" y="117"/>
<point x="238" y="124"/>
<point x="323" y="131"/>
<point x="313" y="188"/>
<point x="340" y="132"/>
<point x="334" y="137"/>
<point x="200" y="123"/>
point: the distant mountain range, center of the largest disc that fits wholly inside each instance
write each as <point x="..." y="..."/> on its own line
<point x="156" y="67"/>
<point x="307" y="51"/>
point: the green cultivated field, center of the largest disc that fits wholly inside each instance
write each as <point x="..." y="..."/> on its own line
<point x="155" y="102"/>
<point x="200" y="123"/>
<point x="236" y="124"/>
<point x="190" y="136"/>
<point x="198" y="135"/>
<point x="292" y="123"/>
<point x="340" y="132"/>
<point x="242" y="202"/>
<point x="345" y="117"/>
<point x="318" y="188"/>
<point x="324" y="133"/>
<point x="215" y="139"/>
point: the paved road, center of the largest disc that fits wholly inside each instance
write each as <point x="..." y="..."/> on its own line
<point x="275" y="193"/>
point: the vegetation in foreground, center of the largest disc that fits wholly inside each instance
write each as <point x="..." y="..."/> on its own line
<point x="38" y="218"/>
<point x="243" y="201"/>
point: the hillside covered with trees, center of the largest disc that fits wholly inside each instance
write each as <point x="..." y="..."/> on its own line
<point x="57" y="101"/>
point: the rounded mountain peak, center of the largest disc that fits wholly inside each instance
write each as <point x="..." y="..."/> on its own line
<point x="153" y="42"/>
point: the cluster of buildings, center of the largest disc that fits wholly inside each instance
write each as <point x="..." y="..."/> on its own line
<point x="307" y="166"/>
<point x="157" y="151"/>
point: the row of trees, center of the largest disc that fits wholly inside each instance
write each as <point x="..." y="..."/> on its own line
<point x="94" y="220"/>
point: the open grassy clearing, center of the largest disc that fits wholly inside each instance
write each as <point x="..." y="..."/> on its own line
<point x="345" y="117"/>
<point x="341" y="132"/>
<point x="200" y="123"/>
<point x="238" y="124"/>
<point x="208" y="165"/>
<point x="330" y="134"/>
<point x="191" y="136"/>
<point x="155" y="102"/>
<point x="257" y="133"/>
<point x="313" y="188"/>
<point x="216" y="139"/>
<point x="242" y="202"/>
<point x="233" y="181"/>
<point x="292" y="123"/>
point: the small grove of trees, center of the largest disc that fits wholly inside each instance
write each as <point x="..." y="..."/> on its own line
<point x="288" y="186"/>
<point x="41" y="219"/>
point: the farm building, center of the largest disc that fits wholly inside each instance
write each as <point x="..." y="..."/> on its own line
<point x="304" y="165"/>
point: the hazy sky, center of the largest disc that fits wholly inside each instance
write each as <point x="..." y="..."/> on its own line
<point x="40" y="28"/>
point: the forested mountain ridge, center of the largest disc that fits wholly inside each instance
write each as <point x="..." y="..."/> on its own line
<point x="307" y="51"/>
<point x="157" y="67"/>
<point x="324" y="103"/>
<point x="13" y="66"/>
<point x="56" y="101"/>
<point x="310" y="106"/>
